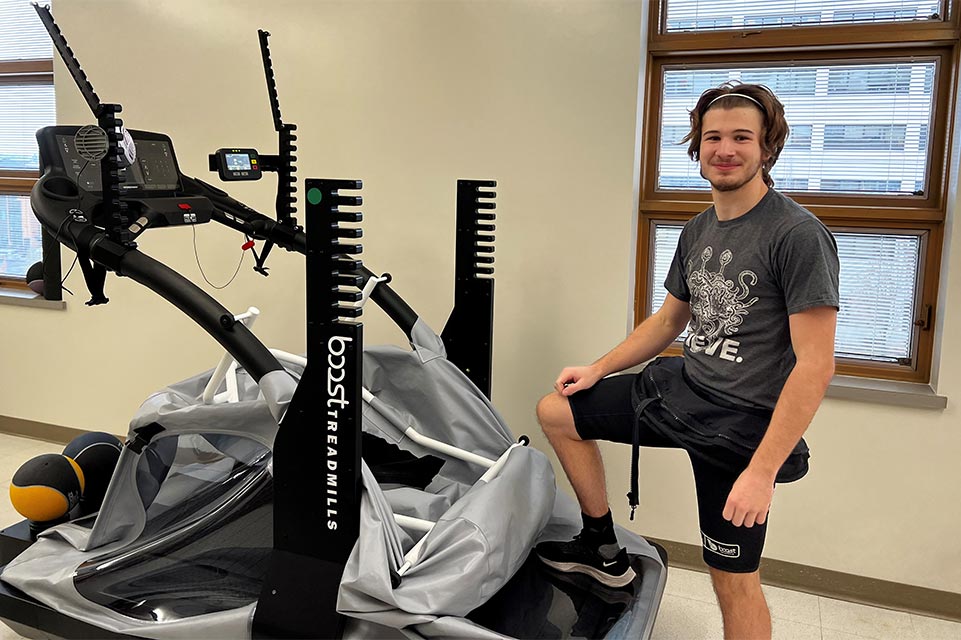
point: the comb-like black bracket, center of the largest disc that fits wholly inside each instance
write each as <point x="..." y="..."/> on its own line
<point x="469" y="332"/>
<point x="112" y="213"/>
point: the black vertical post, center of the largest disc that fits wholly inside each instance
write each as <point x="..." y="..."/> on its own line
<point x="469" y="333"/>
<point x="113" y="213"/>
<point x="317" y="451"/>
<point x="51" y="266"/>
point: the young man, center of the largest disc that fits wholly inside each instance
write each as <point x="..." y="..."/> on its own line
<point x="755" y="282"/>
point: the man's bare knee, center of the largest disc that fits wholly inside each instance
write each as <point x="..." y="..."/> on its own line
<point x="555" y="417"/>
<point x="734" y="587"/>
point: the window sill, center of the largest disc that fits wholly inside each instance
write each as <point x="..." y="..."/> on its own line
<point x="889" y="392"/>
<point x="24" y="298"/>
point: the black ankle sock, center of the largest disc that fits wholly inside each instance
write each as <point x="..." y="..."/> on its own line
<point x="599" y="530"/>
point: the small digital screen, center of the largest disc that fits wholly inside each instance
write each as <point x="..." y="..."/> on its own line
<point x="238" y="161"/>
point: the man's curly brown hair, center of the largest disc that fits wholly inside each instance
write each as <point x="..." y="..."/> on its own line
<point x="775" y="128"/>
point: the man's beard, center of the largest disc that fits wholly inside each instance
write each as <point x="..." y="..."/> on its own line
<point x="732" y="186"/>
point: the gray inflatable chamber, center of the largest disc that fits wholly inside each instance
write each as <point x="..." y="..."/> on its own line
<point x="180" y="546"/>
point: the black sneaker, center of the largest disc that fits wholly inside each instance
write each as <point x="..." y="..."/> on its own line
<point x="608" y="563"/>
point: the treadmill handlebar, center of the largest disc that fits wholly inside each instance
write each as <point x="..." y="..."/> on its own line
<point x="73" y="229"/>
<point x="55" y="196"/>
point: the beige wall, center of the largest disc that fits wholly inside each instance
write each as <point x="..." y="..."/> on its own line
<point x="409" y="96"/>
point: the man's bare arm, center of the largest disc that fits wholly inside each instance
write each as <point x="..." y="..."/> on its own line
<point x="812" y="336"/>
<point x="650" y="338"/>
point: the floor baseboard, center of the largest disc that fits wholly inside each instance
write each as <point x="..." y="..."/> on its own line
<point x="38" y="430"/>
<point x="834" y="584"/>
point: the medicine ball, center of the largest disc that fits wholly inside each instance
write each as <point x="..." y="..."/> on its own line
<point x="34" y="277"/>
<point x="97" y="454"/>
<point x="46" y="487"/>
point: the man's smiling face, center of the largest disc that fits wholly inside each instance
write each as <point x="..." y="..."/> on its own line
<point x="730" y="147"/>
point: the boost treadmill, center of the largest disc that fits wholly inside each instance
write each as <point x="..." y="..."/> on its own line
<point x="290" y="577"/>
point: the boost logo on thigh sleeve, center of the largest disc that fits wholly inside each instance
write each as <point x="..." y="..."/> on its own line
<point x="720" y="548"/>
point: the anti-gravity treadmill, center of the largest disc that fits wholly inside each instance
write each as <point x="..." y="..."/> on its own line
<point x="358" y="492"/>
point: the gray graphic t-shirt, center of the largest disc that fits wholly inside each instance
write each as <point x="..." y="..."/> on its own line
<point x="743" y="278"/>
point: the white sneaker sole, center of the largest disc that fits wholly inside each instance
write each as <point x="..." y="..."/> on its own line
<point x="604" y="578"/>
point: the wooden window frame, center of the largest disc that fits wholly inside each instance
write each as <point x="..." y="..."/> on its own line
<point x="820" y="44"/>
<point x="19" y="183"/>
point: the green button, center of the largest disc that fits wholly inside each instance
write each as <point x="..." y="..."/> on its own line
<point x="314" y="196"/>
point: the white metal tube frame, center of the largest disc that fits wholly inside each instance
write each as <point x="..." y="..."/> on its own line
<point x="226" y="371"/>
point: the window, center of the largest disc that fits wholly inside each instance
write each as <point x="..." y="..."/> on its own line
<point x="707" y="16"/>
<point x="878" y="281"/>
<point x="868" y="92"/>
<point x="26" y="104"/>
<point x="828" y="133"/>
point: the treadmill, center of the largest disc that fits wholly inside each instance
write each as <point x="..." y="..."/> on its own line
<point x="276" y="513"/>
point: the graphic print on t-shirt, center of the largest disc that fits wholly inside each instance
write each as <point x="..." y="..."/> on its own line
<point x="718" y="306"/>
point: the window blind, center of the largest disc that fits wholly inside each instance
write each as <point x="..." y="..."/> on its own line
<point x="697" y="15"/>
<point x="22" y="36"/>
<point x="878" y="290"/>
<point x="879" y="276"/>
<point x="856" y="128"/>
<point x="23" y="110"/>
<point x="20" y="242"/>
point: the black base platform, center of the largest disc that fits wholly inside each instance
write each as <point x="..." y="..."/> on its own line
<point x="31" y="619"/>
<point x="26" y="616"/>
<point x="536" y="603"/>
<point x="13" y="540"/>
<point x="540" y="603"/>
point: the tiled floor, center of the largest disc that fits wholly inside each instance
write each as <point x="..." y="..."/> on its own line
<point x="688" y="610"/>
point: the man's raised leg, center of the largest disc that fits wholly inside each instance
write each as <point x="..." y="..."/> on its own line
<point x="595" y="551"/>
<point x="581" y="459"/>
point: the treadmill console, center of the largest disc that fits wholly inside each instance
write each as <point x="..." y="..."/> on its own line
<point x="150" y="186"/>
<point x="153" y="173"/>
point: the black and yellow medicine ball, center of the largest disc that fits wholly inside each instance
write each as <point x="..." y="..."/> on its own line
<point x="46" y="487"/>
<point x="97" y="454"/>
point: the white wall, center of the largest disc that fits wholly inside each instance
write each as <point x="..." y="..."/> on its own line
<point x="409" y="96"/>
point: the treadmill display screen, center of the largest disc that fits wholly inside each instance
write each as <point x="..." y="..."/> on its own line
<point x="237" y="161"/>
<point x="153" y="170"/>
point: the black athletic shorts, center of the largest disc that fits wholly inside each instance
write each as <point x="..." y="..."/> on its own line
<point x="605" y="412"/>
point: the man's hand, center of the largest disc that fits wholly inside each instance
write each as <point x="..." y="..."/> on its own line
<point x="750" y="499"/>
<point x="574" y="379"/>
